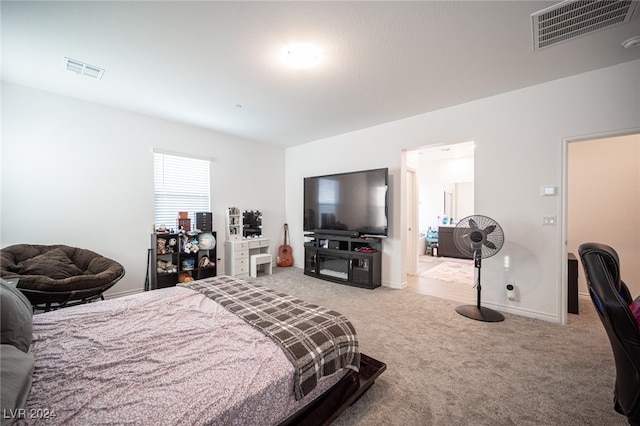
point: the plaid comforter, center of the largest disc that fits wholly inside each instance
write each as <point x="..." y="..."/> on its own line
<point x="316" y="340"/>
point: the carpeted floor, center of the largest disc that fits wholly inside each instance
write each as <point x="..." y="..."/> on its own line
<point x="445" y="369"/>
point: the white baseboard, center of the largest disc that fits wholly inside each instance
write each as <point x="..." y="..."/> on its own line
<point x="122" y="293"/>
<point x="523" y="312"/>
<point x="395" y="286"/>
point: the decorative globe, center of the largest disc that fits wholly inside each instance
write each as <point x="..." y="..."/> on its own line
<point x="206" y="241"/>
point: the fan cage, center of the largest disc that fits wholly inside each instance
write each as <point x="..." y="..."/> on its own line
<point x="462" y="236"/>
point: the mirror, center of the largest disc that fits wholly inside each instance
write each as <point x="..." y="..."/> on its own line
<point x="448" y="201"/>
<point x="458" y="202"/>
<point x="252" y="224"/>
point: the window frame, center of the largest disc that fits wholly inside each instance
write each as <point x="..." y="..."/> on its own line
<point x="183" y="187"/>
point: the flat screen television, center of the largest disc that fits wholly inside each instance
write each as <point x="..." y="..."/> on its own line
<point x="355" y="201"/>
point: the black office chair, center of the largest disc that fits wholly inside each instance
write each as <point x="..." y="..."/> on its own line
<point x="611" y="298"/>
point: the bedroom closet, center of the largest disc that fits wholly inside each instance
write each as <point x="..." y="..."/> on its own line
<point x="604" y="206"/>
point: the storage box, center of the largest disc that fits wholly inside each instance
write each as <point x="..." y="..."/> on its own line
<point x="183" y="215"/>
<point x="204" y="221"/>
<point x="184" y="224"/>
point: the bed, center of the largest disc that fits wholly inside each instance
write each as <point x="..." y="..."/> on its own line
<point x="214" y="351"/>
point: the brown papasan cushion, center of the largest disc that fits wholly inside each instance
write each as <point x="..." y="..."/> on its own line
<point x="57" y="268"/>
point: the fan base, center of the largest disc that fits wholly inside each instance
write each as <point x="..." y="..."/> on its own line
<point x="480" y="313"/>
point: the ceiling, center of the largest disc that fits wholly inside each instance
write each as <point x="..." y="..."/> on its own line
<point x="216" y="64"/>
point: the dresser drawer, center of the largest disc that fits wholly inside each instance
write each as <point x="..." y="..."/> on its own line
<point x="241" y="272"/>
<point x="258" y="243"/>
<point x="241" y="267"/>
<point x="241" y="254"/>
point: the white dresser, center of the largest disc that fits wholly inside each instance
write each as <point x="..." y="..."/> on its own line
<point x="237" y="254"/>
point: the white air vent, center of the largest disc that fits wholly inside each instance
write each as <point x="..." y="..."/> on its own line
<point x="573" y="18"/>
<point x="81" y="68"/>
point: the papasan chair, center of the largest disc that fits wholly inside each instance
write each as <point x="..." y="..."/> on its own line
<point x="58" y="276"/>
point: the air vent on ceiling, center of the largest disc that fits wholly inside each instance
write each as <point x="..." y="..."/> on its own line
<point x="81" y="68"/>
<point x="573" y="18"/>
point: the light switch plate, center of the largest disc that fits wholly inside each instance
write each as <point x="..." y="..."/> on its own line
<point x="549" y="191"/>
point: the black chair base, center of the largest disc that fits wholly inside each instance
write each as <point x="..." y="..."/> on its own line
<point x="50" y="300"/>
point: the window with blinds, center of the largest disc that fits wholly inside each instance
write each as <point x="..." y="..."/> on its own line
<point x="328" y="196"/>
<point x="181" y="184"/>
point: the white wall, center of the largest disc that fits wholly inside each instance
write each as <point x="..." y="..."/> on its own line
<point x="519" y="148"/>
<point x="435" y="176"/>
<point x="81" y="174"/>
<point x="604" y="201"/>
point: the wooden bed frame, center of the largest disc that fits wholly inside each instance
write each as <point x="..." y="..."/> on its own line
<point x="328" y="406"/>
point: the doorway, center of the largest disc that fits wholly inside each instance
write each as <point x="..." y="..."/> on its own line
<point x="443" y="182"/>
<point x="603" y="200"/>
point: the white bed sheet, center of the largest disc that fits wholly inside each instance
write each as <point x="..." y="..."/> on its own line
<point x="169" y="356"/>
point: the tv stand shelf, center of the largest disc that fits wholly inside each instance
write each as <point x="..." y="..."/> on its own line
<point x="355" y="261"/>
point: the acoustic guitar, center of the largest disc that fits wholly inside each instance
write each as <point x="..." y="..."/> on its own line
<point x="284" y="252"/>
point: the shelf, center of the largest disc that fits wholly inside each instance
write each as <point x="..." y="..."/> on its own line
<point x="338" y="259"/>
<point x="234" y="224"/>
<point x="174" y="260"/>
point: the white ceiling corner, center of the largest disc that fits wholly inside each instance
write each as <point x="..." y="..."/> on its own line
<point x="192" y="62"/>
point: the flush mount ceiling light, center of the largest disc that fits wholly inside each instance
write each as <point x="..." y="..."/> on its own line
<point x="81" y="68"/>
<point x="301" y="55"/>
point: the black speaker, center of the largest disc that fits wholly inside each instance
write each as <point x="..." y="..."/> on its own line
<point x="339" y="232"/>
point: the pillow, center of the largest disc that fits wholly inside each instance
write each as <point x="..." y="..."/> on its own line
<point x="16" y="370"/>
<point x="53" y="264"/>
<point x="635" y="310"/>
<point x="16" y="318"/>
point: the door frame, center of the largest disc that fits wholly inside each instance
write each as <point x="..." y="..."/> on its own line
<point x="563" y="291"/>
<point x="411" y="220"/>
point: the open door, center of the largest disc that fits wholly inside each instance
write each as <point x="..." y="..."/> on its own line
<point x="411" y="220"/>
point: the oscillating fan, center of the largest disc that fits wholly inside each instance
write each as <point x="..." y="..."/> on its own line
<point x="480" y="237"/>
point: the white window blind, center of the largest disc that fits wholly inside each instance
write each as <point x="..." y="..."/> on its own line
<point x="328" y="196"/>
<point x="181" y="184"/>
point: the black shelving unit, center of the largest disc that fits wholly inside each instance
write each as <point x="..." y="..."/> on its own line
<point x="184" y="263"/>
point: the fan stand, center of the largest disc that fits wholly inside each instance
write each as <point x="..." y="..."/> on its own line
<point x="476" y="311"/>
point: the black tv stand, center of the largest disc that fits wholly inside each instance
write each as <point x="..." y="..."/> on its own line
<point x="355" y="261"/>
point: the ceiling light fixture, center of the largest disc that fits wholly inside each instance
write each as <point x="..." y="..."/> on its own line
<point x="631" y="42"/>
<point x="81" y="68"/>
<point x="301" y="55"/>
